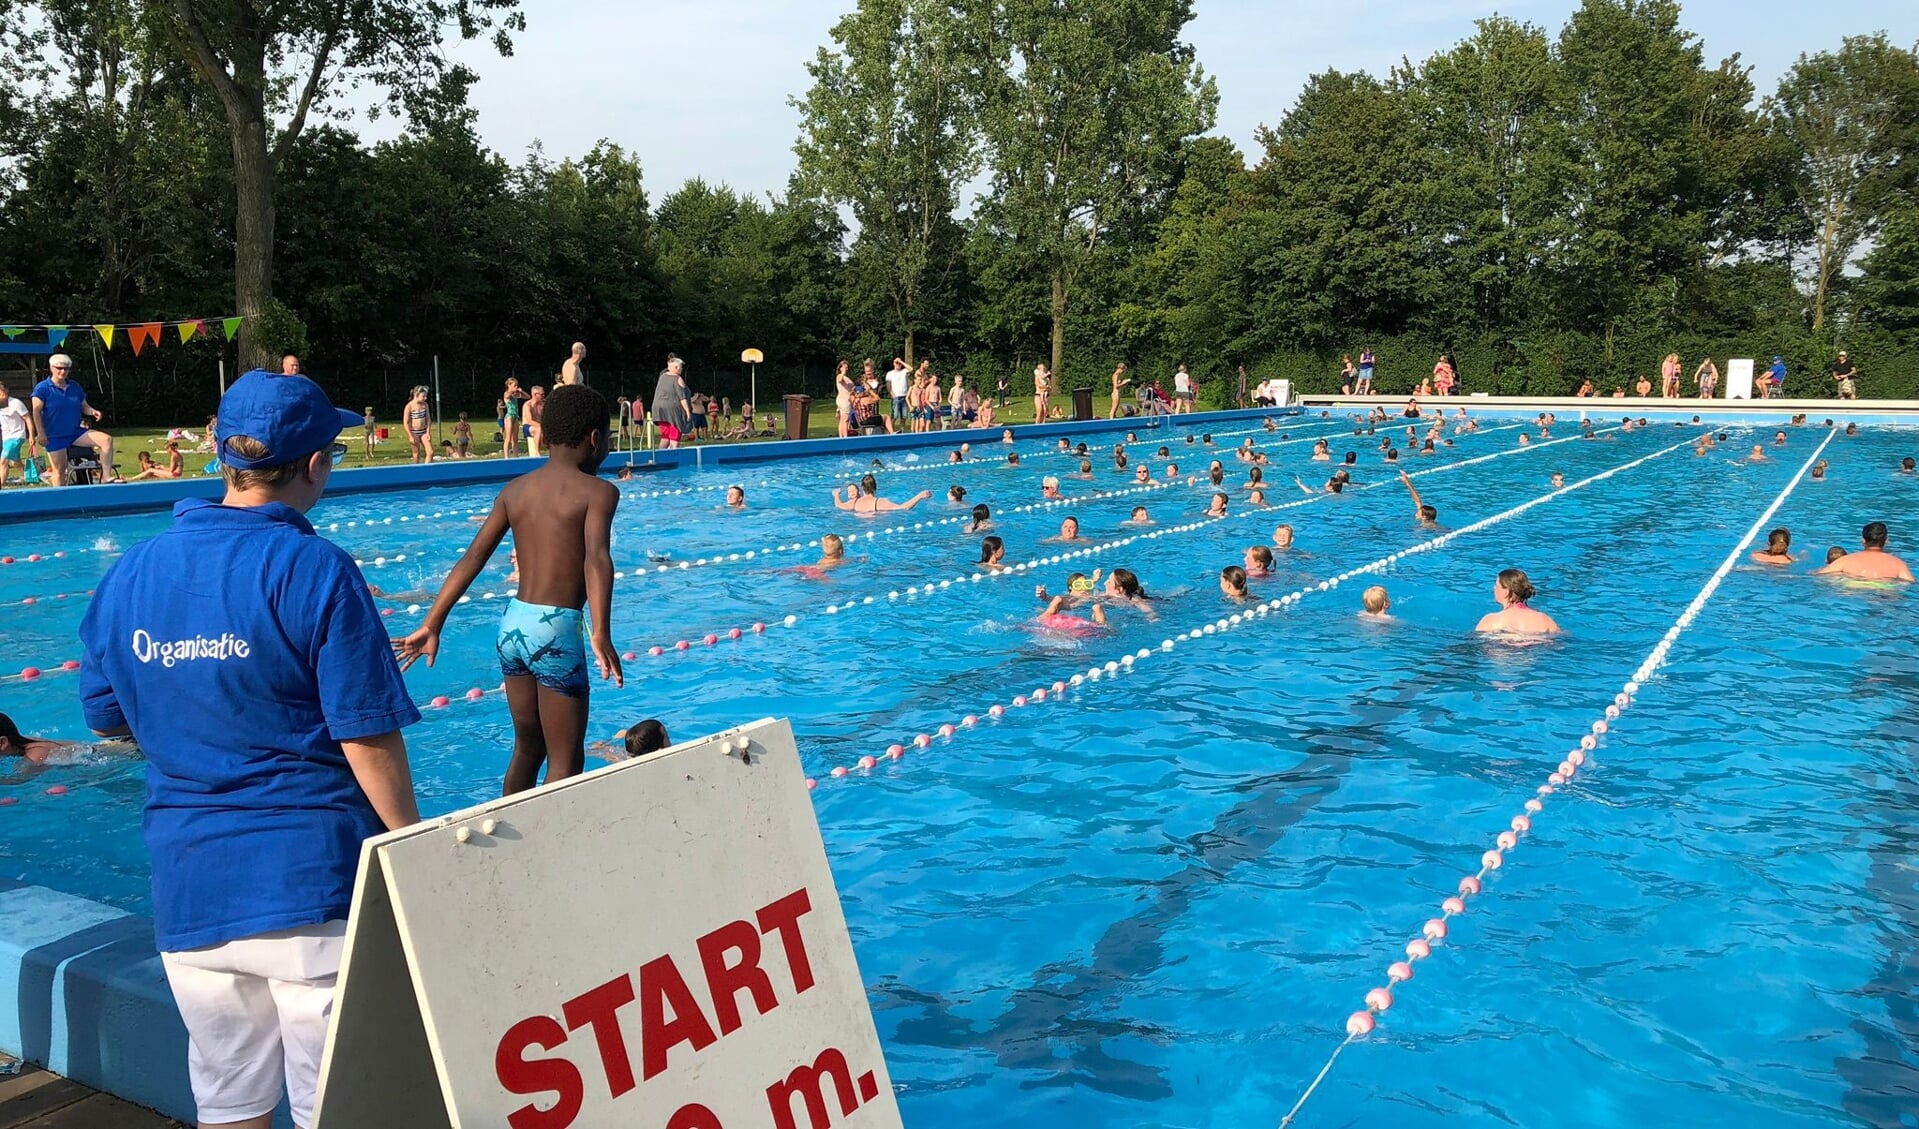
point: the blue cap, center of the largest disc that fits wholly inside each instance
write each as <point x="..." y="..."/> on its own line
<point x="1776" y="360"/>
<point x="288" y="415"/>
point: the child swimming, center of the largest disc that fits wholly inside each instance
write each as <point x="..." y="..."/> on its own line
<point x="1778" y="550"/>
<point x="992" y="554"/>
<point x="1374" y="602"/>
<point x="1259" y="561"/>
<point x="1140" y="517"/>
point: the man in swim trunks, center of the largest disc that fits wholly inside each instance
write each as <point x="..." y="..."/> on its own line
<point x="1842" y="374"/>
<point x="60" y="414"/>
<point x="563" y="514"/>
<point x="1871" y="562"/>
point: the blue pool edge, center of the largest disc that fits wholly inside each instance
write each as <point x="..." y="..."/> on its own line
<point x="87" y="998"/>
<point x="30" y="505"/>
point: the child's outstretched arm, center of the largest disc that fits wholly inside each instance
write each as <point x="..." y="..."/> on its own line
<point x="425" y="639"/>
<point x="1411" y="489"/>
<point x="599" y="578"/>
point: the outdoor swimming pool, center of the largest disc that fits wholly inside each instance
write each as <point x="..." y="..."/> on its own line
<point x="1155" y="899"/>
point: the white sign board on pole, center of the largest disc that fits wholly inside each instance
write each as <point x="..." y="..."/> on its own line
<point x="656" y="945"/>
<point x="1739" y="378"/>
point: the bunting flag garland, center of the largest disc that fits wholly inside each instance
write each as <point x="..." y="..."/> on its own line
<point x="138" y="334"/>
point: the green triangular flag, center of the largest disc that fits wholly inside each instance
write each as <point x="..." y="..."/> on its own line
<point x="12" y="330"/>
<point x="232" y="326"/>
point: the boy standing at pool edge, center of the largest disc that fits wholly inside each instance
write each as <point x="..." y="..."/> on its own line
<point x="562" y="514"/>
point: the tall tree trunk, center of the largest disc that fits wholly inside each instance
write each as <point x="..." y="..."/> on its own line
<point x="909" y="349"/>
<point x="1059" y="318"/>
<point x="252" y="231"/>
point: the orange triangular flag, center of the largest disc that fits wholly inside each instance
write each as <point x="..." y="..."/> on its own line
<point x="147" y="334"/>
<point x="187" y="330"/>
<point x="106" y="335"/>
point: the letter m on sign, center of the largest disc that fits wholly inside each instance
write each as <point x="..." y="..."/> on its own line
<point x="808" y="1084"/>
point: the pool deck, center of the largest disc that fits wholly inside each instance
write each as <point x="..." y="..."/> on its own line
<point x="1768" y="411"/>
<point x="35" y="1099"/>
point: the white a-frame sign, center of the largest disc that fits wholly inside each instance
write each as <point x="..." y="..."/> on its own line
<point x="656" y="944"/>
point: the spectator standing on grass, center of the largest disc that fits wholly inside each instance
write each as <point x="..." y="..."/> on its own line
<point x="897" y="386"/>
<point x="1241" y="399"/>
<point x="672" y="404"/>
<point x="573" y="369"/>
<point x="289" y="365"/>
<point x="1366" y="364"/>
<point x="1182" y="391"/>
<point x="16" y="436"/>
<point x="1002" y="388"/>
<point x="244" y="654"/>
<point x="60" y="415"/>
<point x="534" y="406"/>
<point x="1042" y="391"/>
<point x="515" y="407"/>
<point x="416" y="419"/>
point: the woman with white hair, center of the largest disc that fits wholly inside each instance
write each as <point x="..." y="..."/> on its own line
<point x="60" y="415"/>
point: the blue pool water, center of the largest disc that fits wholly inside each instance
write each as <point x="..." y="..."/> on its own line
<point x="1154" y="902"/>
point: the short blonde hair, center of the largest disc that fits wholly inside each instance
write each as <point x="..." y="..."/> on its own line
<point x="1375" y="599"/>
<point x="832" y="545"/>
<point x="265" y="478"/>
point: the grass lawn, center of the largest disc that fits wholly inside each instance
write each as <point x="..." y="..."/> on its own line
<point x="128" y="442"/>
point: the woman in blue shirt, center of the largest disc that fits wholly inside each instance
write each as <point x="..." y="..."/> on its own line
<point x="243" y="652"/>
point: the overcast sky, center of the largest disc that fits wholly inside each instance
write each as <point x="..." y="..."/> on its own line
<point x="700" y="87"/>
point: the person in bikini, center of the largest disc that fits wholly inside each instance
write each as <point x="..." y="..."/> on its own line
<point x="563" y="514"/>
<point x="416" y="419"/>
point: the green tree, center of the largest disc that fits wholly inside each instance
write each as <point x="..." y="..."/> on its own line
<point x="890" y="130"/>
<point x="1482" y="110"/>
<point x="1887" y="293"/>
<point x="288" y="57"/>
<point x="1086" y="111"/>
<point x="1851" y="117"/>
<point x="1344" y="254"/>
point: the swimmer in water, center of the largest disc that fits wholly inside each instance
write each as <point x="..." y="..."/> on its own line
<point x="1006" y="436"/>
<point x="1758" y="454"/>
<point x="865" y="498"/>
<point x="1140" y="517"/>
<point x="1778" y="550"/>
<point x="1232" y="583"/>
<point x="1779" y="439"/>
<point x="40" y="751"/>
<point x="1426" y="514"/>
<point x="953" y="457"/>
<point x="1123" y="587"/>
<point x="1283" y="537"/>
<point x="992" y="554"/>
<point x="1255" y="478"/>
<point x="414" y="596"/>
<point x="1172" y="472"/>
<point x="1218" y="506"/>
<point x="1141" y="475"/>
<point x="1086" y="467"/>
<point x="1080" y="589"/>
<point x="1834" y="554"/>
<point x="1374" y="602"/>
<point x="1259" y="561"/>
<point x="832" y="555"/>
<point x="1524" y="439"/>
<point x="1906" y="465"/>
<point x="735" y="498"/>
<point x="1049" y="488"/>
<point x="956" y="495"/>
<point x="1819" y="471"/>
<point x="1012" y="459"/>
<point x="626" y="473"/>
<point x="1068" y="531"/>
<point x="1256" y="498"/>
<point x="1559" y="480"/>
<point x="1512" y="589"/>
<point x="1871" y="562"/>
<point x="648" y="736"/>
<point x="982" y="519"/>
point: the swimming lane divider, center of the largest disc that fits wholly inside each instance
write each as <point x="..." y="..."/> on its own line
<point x="1379" y="999"/>
<point x="1260" y="610"/>
<point x="981" y="453"/>
<point x="933" y="587"/>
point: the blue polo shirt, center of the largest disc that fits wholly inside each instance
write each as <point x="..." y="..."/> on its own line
<point x="241" y="649"/>
<point x="60" y="411"/>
